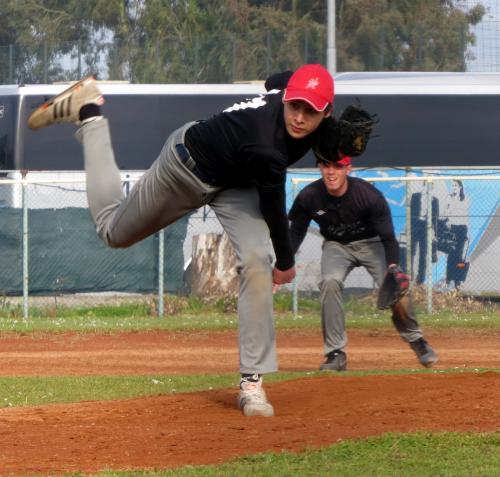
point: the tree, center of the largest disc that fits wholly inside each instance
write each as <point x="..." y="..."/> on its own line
<point x="404" y="35"/>
<point x="155" y="40"/>
<point x="225" y="40"/>
<point x="47" y="34"/>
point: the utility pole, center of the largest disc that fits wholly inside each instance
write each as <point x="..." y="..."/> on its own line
<point x="331" y="50"/>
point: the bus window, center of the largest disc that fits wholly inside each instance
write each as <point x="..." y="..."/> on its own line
<point x="8" y="114"/>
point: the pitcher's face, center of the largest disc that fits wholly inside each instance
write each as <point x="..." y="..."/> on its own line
<point x="301" y="119"/>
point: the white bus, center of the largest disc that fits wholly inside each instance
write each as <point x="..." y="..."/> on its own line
<point x="426" y="120"/>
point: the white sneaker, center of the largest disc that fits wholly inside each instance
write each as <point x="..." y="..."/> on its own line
<point x="252" y="399"/>
<point x="65" y="107"/>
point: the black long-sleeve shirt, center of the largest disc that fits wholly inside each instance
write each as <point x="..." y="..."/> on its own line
<point x="248" y="145"/>
<point x="361" y="213"/>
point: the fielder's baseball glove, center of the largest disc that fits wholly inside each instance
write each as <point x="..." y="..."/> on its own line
<point x="395" y="285"/>
<point x="355" y="126"/>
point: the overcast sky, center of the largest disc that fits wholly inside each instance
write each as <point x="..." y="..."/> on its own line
<point x="487" y="48"/>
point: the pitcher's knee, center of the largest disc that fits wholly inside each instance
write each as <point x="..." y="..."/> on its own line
<point x="256" y="262"/>
<point x="114" y="240"/>
<point x="331" y="285"/>
<point x="116" y="243"/>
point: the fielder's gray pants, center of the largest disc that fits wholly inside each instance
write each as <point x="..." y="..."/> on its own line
<point x="337" y="260"/>
<point x="166" y="192"/>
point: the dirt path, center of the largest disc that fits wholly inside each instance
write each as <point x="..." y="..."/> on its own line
<point x="216" y="352"/>
<point x="205" y="427"/>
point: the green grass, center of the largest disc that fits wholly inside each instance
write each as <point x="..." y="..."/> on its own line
<point x="190" y="313"/>
<point x="41" y="390"/>
<point x="97" y="321"/>
<point x="122" y="323"/>
<point x="30" y="391"/>
<point x="182" y="313"/>
<point x="445" y="454"/>
<point x="35" y="390"/>
<point x="140" y="306"/>
<point x="390" y="455"/>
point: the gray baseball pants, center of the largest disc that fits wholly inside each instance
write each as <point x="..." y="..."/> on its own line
<point x="166" y="192"/>
<point x="337" y="260"/>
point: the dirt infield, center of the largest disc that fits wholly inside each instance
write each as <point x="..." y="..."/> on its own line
<point x="204" y="427"/>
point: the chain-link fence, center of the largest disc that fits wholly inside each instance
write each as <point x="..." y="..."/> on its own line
<point x="485" y="52"/>
<point x="50" y="250"/>
<point x="432" y="36"/>
<point x="228" y="57"/>
<point x="448" y="229"/>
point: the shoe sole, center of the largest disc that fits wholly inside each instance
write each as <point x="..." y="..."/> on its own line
<point x="430" y="363"/>
<point x="324" y="368"/>
<point x="249" y="411"/>
<point x="59" y="103"/>
<point x="257" y="412"/>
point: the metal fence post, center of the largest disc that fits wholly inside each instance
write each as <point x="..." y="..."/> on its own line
<point x="295" y="291"/>
<point x="45" y="60"/>
<point x="268" y="53"/>
<point x="428" y="258"/>
<point x="79" y="53"/>
<point x="161" y="271"/>
<point x="11" y="64"/>
<point x="25" y="244"/>
<point x="409" y="264"/>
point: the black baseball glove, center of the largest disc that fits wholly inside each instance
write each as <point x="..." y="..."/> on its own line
<point x="395" y="285"/>
<point x="327" y="147"/>
<point x="355" y="127"/>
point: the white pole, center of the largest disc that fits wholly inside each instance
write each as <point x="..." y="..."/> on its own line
<point x="161" y="272"/>
<point x="331" y="51"/>
<point x="428" y="268"/>
<point x="295" y="290"/>
<point x="409" y="237"/>
<point x="25" y="245"/>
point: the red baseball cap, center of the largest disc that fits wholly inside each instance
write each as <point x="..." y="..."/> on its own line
<point x="344" y="161"/>
<point x="312" y="84"/>
<point x="340" y="158"/>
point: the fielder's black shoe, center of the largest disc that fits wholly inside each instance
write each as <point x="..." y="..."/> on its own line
<point x="335" y="361"/>
<point x="425" y="354"/>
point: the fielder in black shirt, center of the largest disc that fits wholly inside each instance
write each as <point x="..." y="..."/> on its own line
<point x="355" y="221"/>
